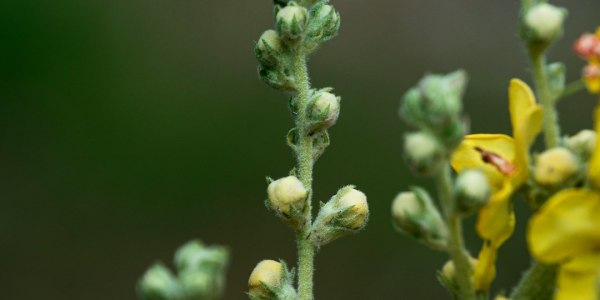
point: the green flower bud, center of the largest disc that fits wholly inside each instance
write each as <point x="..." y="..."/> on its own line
<point x="159" y="284"/>
<point x="269" y="48"/>
<point x="583" y="143"/>
<point x="323" y="25"/>
<point x="345" y="213"/>
<point x="323" y="110"/>
<point x="195" y="256"/>
<point x="472" y="191"/>
<point x="287" y="193"/>
<point x="291" y="21"/>
<point x="555" y="166"/>
<point x="449" y="270"/>
<point x="545" y="22"/>
<point x="424" y="153"/>
<point x="198" y="285"/>
<point x="415" y="215"/>
<point x="271" y="280"/>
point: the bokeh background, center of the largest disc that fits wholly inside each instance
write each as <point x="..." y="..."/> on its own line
<point x="130" y="127"/>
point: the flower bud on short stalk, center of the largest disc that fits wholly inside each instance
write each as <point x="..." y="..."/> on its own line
<point x="291" y="21"/>
<point x="159" y="284"/>
<point x="323" y="110"/>
<point x="345" y="213"/>
<point x="415" y="215"/>
<point x="271" y="280"/>
<point x="472" y="191"/>
<point x="423" y="152"/>
<point x="449" y="270"/>
<point x="269" y="48"/>
<point x="287" y="197"/>
<point x="544" y="22"/>
<point x="323" y="25"/>
<point x="194" y="256"/>
<point x="555" y="166"/>
<point x="583" y="143"/>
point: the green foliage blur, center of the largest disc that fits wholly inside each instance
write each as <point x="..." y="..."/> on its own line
<point x="129" y="127"/>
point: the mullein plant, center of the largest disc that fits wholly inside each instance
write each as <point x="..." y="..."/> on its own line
<point x="561" y="183"/>
<point x="200" y="275"/>
<point x="300" y="29"/>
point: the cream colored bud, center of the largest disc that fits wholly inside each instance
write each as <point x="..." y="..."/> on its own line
<point x="266" y="272"/>
<point x="424" y="152"/>
<point x="324" y="109"/>
<point x="285" y="193"/>
<point x="325" y="10"/>
<point x="291" y="21"/>
<point x="583" y="142"/>
<point x="159" y="283"/>
<point x="472" y="190"/>
<point x="270" y="38"/>
<point x="545" y="20"/>
<point x="554" y="166"/>
<point x="449" y="270"/>
<point x="358" y="211"/>
<point x="415" y="214"/>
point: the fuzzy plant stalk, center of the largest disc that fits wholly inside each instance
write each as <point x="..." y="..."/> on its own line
<point x="433" y="107"/>
<point x="301" y="27"/>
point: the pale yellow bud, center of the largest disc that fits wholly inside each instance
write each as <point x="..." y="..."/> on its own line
<point x="324" y="109"/>
<point x="285" y="193"/>
<point x="325" y="10"/>
<point x="545" y="20"/>
<point x="424" y="152"/>
<point x="267" y="272"/>
<point x="359" y="211"/>
<point x="554" y="166"/>
<point x="472" y="191"/>
<point x="404" y="205"/>
<point x="583" y="142"/>
<point x="291" y="21"/>
<point x="449" y="270"/>
<point x="270" y="38"/>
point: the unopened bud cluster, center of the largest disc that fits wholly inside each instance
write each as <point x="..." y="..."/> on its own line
<point x="300" y="28"/>
<point x="271" y="280"/>
<point x="415" y="215"/>
<point x="434" y="107"/>
<point x="200" y="275"/>
<point x="345" y="213"/>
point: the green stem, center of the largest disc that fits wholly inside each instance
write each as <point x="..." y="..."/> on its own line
<point x="304" y="156"/>
<point x="456" y="247"/>
<point x="572" y="88"/>
<point x="538" y="283"/>
<point x="551" y="129"/>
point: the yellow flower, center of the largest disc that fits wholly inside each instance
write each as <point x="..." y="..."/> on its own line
<point x="588" y="47"/>
<point x="566" y="230"/>
<point x="505" y="161"/>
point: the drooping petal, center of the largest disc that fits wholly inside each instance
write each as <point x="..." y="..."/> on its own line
<point x="467" y="157"/>
<point x="485" y="270"/>
<point x="526" y="118"/>
<point x="577" y="279"/>
<point x="496" y="220"/>
<point x="566" y="226"/>
<point x="594" y="164"/>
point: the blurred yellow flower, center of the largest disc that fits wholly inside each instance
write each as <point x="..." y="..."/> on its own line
<point x="566" y="231"/>
<point x="505" y="161"/>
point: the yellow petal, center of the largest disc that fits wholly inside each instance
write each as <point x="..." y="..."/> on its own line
<point x="566" y="226"/>
<point x="598" y="32"/>
<point x="594" y="165"/>
<point x="466" y="157"/>
<point x="496" y="220"/>
<point x="485" y="270"/>
<point x="577" y="279"/>
<point x="526" y="118"/>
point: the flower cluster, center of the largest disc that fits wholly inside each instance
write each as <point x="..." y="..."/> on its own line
<point x="588" y="47"/>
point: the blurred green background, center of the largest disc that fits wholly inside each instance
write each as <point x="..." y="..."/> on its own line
<point x="130" y="127"/>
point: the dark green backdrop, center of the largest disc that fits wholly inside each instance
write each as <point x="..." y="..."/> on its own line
<point x="128" y="127"/>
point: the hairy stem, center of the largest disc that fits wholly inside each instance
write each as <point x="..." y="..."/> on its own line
<point x="537" y="283"/>
<point x="304" y="157"/>
<point x="456" y="247"/>
<point x="551" y="129"/>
